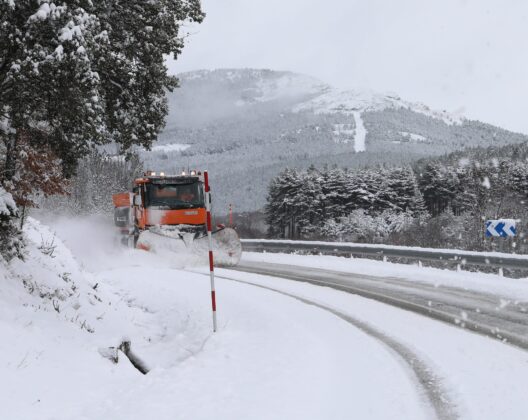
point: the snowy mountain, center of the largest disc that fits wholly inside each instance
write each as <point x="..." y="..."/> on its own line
<point x="352" y="101"/>
<point x="246" y="125"/>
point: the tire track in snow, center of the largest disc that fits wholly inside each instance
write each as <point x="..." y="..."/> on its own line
<point x="433" y="389"/>
<point x="508" y="327"/>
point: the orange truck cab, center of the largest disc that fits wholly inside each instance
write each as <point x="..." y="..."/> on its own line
<point x="158" y="200"/>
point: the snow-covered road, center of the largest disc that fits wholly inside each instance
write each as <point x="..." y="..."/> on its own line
<point x="284" y="349"/>
<point x="479" y="375"/>
<point x="491" y="314"/>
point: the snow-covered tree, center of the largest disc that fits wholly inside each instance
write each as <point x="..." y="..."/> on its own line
<point x="10" y="238"/>
<point x="309" y="201"/>
<point x="83" y="72"/>
<point x="439" y="186"/>
<point x="403" y="192"/>
<point x="282" y="204"/>
<point x="79" y="73"/>
<point x="98" y="177"/>
<point x="335" y="192"/>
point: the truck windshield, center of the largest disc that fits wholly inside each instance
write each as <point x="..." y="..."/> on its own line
<point x="175" y="196"/>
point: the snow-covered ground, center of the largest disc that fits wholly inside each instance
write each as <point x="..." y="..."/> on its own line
<point x="274" y="356"/>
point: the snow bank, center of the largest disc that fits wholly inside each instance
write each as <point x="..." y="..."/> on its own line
<point x="53" y="319"/>
<point x="52" y="276"/>
<point x="447" y="251"/>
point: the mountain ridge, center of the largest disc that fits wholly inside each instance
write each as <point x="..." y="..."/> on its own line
<point x="246" y="125"/>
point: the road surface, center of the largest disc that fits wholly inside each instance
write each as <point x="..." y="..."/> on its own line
<point x="481" y="312"/>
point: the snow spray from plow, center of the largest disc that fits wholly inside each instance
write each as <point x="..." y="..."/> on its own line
<point x="225" y="244"/>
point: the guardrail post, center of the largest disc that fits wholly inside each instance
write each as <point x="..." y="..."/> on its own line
<point x="459" y="267"/>
<point x="384" y="258"/>
<point x="419" y="264"/>
<point x="501" y="272"/>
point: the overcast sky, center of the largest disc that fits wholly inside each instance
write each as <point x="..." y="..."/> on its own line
<point x="458" y="55"/>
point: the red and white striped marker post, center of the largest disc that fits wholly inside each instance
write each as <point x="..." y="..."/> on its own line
<point x="210" y="237"/>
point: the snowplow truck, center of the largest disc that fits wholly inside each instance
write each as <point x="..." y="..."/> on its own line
<point x="168" y="213"/>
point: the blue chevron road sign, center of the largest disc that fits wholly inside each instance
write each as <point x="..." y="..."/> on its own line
<point x="501" y="228"/>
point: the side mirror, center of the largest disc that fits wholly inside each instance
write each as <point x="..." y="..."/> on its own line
<point x="137" y="200"/>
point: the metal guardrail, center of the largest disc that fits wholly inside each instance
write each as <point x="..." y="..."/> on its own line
<point x="457" y="257"/>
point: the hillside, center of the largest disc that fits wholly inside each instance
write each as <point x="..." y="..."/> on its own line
<point x="247" y="125"/>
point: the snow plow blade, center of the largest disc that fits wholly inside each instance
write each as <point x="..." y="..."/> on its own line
<point x="227" y="248"/>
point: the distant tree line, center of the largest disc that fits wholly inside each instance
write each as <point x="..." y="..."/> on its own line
<point x="301" y="203"/>
<point x="436" y="202"/>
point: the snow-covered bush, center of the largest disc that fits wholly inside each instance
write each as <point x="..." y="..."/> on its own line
<point x="52" y="280"/>
<point x="361" y="226"/>
<point x="10" y="236"/>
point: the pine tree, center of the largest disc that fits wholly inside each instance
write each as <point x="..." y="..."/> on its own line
<point x="335" y="192"/>
<point x="517" y="177"/>
<point x="10" y="235"/>
<point x="439" y="187"/>
<point x="282" y="208"/>
<point x="404" y="194"/>
<point x="364" y="187"/>
<point x="309" y="202"/>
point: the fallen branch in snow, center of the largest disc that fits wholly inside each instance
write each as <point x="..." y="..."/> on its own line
<point x="139" y="364"/>
<point x="112" y="354"/>
<point x="56" y="306"/>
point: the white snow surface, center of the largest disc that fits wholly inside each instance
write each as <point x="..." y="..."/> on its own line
<point x="448" y="251"/>
<point x="273" y="356"/>
<point x="360" y="133"/>
<point x="264" y="362"/>
<point x="413" y="136"/>
<point x="485" y="378"/>
<point x="350" y="101"/>
<point x="171" y="147"/>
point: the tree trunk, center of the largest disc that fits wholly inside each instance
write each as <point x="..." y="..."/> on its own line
<point x="22" y="216"/>
<point x="11" y="158"/>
